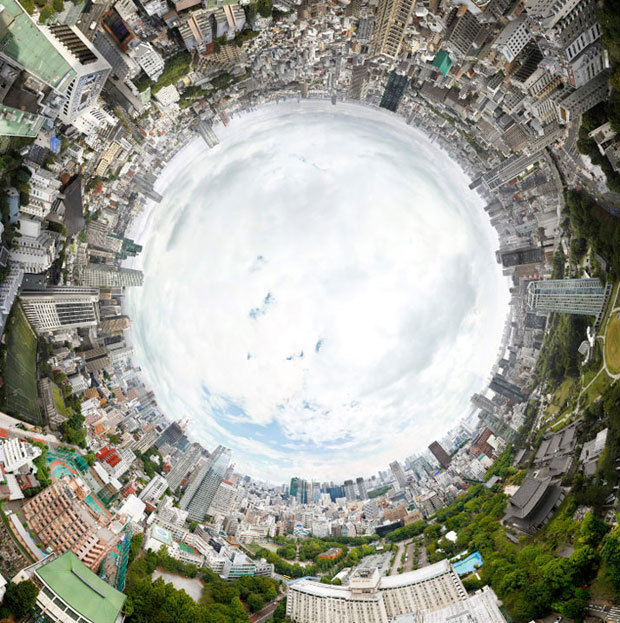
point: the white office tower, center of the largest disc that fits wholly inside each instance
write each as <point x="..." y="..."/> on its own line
<point x="44" y="190"/>
<point x="188" y="461"/>
<point x="61" y="307"/>
<point x="91" y="70"/>
<point x="35" y="249"/>
<point x="107" y="276"/>
<point x="149" y="60"/>
<point x="514" y="38"/>
<point x="202" y="490"/>
<point x="547" y="13"/>
<point x="398" y="473"/>
<point x="8" y="291"/>
<point x="224" y="500"/>
<point x="568" y="296"/>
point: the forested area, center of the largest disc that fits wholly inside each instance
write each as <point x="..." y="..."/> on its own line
<point x="221" y="601"/>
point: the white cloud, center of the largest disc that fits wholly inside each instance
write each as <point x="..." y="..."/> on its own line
<point x="328" y="272"/>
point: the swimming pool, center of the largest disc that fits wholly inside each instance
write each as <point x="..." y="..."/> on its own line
<point x="469" y="564"/>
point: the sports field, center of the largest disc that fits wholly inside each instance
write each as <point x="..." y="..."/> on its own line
<point x="21" y="369"/>
<point x="612" y="344"/>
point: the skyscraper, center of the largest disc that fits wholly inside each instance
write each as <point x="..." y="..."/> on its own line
<point x="394" y="90"/>
<point x="393" y="17"/>
<point x="398" y="473"/>
<point x="171" y="435"/>
<point x="499" y="427"/>
<point x="107" y="276"/>
<point x="568" y="296"/>
<point x="361" y="488"/>
<point x="114" y="324"/>
<point x="464" y="31"/>
<point x="440" y="454"/>
<point x="180" y="469"/>
<point x="205" y="129"/>
<point x="519" y="257"/>
<point x="90" y="67"/>
<point x="482" y="402"/>
<point x="349" y="490"/>
<point x="294" y="487"/>
<point x="198" y="497"/>
<point x="61" y="307"/>
<point x="507" y="389"/>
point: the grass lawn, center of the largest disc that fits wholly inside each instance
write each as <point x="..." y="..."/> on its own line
<point x="610" y="305"/>
<point x="598" y="387"/>
<point x="612" y="344"/>
<point x="60" y="403"/>
<point x="558" y="400"/>
<point x="602" y="590"/>
<point x="21" y="370"/>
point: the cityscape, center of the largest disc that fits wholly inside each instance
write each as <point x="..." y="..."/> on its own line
<point x="473" y="143"/>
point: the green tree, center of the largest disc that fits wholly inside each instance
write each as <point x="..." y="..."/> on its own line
<point x="592" y="530"/>
<point x="20" y="598"/>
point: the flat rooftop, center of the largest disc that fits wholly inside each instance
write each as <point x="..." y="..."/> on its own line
<point x="22" y="41"/>
<point x="416" y="576"/>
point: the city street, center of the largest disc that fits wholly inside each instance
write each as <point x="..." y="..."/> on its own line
<point x="267" y="612"/>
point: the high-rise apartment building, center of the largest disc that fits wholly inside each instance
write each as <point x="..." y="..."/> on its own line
<point x="199" y="495"/>
<point x="63" y="521"/>
<point x="440" y="454"/>
<point x="571" y="103"/>
<point x="505" y="388"/>
<point x="61" y="307"/>
<point x="393" y="17"/>
<point x="464" y="32"/>
<point x="567" y="296"/>
<point x="108" y="276"/>
<point x="398" y="473"/>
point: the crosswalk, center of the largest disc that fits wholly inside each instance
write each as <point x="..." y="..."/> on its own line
<point x="606" y="613"/>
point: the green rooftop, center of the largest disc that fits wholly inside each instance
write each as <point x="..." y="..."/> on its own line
<point x="22" y="41"/>
<point x="443" y="62"/>
<point x="15" y="122"/>
<point x="89" y="595"/>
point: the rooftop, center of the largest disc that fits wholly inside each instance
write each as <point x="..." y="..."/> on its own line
<point x="418" y="575"/>
<point x="81" y="589"/>
<point x="25" y="43"/>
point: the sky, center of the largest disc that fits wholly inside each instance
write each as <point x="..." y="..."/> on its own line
<point x="321" y="293"/>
